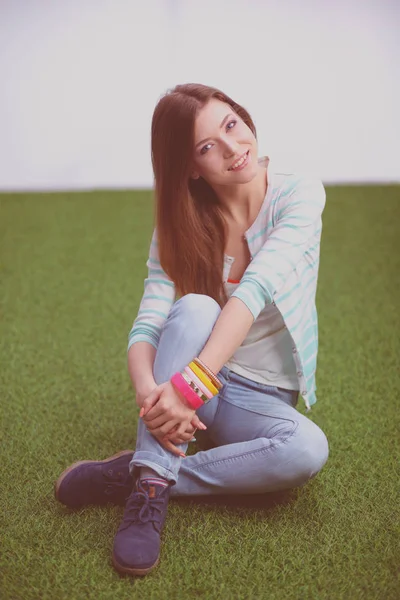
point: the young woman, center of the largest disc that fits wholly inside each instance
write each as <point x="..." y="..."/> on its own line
<point x="226" y="334"/>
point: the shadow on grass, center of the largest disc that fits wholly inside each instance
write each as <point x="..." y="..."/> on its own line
<point x="240" y="502"/>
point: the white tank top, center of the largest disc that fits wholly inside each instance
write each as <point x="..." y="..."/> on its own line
<point x="266" y="354"/>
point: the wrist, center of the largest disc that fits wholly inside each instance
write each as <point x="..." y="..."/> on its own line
<point x="196" y="383"/>
<point x="191" y="399"/>
<point x="145" y="388"/>
<point x="181" y="396"/>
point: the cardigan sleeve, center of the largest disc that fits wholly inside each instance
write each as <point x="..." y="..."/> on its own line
<point x="158" y="297"/>
<point x="297" y="229"/>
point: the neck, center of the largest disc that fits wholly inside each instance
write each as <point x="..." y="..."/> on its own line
<point x="241" y="203"/>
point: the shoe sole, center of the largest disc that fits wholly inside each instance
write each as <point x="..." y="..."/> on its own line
<point x="130" y="571"/>
<point x="67" y="471"/>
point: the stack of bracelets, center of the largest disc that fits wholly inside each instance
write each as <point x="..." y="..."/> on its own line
<point x="196" y="383"/>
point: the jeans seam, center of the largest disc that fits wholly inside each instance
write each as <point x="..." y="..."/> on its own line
<point x="263" y="414"/>
<point x="244" y="454"/>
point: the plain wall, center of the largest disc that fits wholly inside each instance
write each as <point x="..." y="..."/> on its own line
<point x="80" y="80"/>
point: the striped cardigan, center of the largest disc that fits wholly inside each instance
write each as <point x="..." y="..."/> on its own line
<point x="284" y="243"/>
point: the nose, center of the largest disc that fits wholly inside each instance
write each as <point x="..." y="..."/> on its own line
<point x="230" y="147"/>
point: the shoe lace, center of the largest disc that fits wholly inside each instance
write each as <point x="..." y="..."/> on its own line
<point x="140" y="508"/>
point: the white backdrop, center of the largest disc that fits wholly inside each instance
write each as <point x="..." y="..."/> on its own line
<point x="80" y="79"/>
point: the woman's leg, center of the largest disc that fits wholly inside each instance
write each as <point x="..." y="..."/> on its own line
<point x="137" y="542"/>
<point x="184" y="335"/>
<point x="268" y="448"/>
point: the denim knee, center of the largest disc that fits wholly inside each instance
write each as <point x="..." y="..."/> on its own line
<point x="197" y="310"/>
<point x="316" y="451"/>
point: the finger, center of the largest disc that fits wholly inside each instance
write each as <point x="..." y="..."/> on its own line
<point x="197" y="423"/>
<point x="180" y="439"/>
<point x="181" y="430"/>
<point x="183" y="439"/>
<point x="150" y="401"/>
<point x="155" y="423"/>
<point x="162" y="431"/>
<point x="172" y="431"/>
<point x="172" y="448"/>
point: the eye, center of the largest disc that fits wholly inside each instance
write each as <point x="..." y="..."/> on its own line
<point x="230" y="125"/>
<point x="204" y="149"/>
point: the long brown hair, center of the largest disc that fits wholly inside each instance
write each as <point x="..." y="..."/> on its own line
<point x="190" y="225"/>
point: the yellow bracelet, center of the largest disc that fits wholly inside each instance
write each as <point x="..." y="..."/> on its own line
<point x="203" y="377"/>
<point x="207" y="371"/>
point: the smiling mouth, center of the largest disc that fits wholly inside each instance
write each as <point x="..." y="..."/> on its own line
<point x="239" y="162"/>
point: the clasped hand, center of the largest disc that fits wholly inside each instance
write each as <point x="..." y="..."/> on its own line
<point x="168" y="417"/>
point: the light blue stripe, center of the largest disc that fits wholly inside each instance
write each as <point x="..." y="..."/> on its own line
<point x="142" y="338"/>
<point x="310" y="324"/>
<point x="306" y="339"/>
<point x="161" y="281"/>
<point x="286" y="192"/>
<point x="261" y="232"/>
<point x="144" y="326"/>
<point x="156" y="271"/>
<point x="278" y="239"/>
<point x="253" y="307"/>
<point x="306" y="354"/>
<point x="292" y="310"/>
<point x="261" y="292"/>
<point x="297" y="203"/>
<point x="299" y="285"/>
<point x="285" y="225"/>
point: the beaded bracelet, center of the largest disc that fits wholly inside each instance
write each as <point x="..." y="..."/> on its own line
<point x="208" y="371"/>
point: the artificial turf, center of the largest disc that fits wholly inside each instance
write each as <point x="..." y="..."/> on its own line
<point x="72" y="270"/>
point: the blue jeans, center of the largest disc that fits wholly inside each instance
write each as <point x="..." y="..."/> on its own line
<point x="263" y="443"/>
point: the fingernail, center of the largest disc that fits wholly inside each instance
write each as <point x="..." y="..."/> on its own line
<point x="183" y="455"/>
<point x="141" y="412"/>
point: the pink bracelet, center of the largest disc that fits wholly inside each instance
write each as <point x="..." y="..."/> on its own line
<point x="184" y="388"/>
<point x="199" y="383"/>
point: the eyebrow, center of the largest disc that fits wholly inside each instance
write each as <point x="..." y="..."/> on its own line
<point x="222" y="124"/>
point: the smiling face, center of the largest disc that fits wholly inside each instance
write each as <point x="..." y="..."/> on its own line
<point x="226" y="150"/>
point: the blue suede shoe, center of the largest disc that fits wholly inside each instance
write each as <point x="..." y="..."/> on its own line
<point x="96" y="482"/>
<point x="137" y="542"/>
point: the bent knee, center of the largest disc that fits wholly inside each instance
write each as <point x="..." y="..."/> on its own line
<point x="315" y="454"/>
<point x="195" y="307"/>
<point x="312" y="451"/>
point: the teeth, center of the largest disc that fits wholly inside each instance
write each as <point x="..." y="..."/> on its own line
<point x="238" y="163"/>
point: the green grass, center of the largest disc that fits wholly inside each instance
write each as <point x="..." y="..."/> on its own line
<point x="72" y="270"/>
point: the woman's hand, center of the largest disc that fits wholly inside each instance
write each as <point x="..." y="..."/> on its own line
<point x="188" y="435"/>
<point x="144" y="389"/>
<point x="166" y="414"/>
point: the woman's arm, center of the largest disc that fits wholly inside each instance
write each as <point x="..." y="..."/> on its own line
<point x="297" y="229"/>
<point x="229" y="331"/>
<point x="140" y="366"/>
<point x="158" y="297"/>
